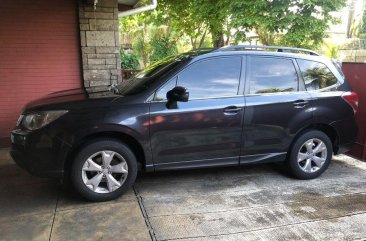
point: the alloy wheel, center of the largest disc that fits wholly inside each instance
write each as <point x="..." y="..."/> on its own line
<point x="104" y="171"/>
<point x="312" y="155"/>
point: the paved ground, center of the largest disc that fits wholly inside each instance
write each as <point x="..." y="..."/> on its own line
<point x="247" y="203"/>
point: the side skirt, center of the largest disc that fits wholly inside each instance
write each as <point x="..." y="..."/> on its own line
<point x="230" y="161"/>
<point x="263" y="158"/>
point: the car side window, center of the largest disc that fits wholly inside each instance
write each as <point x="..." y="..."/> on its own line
<point x="161" y="93"/>
<point x="271" y="75"/>
<point x="316" y="75"/>
<point x="216" y="77"/>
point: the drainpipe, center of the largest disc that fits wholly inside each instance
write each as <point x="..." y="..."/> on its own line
<point x="139" y="10"/>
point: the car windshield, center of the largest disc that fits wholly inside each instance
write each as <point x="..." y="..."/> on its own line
<point x="143" y="80"/>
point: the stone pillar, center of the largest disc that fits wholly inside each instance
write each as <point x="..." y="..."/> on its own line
<point x="100" y="47"/>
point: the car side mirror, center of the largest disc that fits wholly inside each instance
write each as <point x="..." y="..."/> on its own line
<point x="178" y="93"/>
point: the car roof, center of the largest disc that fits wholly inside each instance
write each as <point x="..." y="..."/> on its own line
<point x="205" y="53"/>
<point x="261" y="53"/>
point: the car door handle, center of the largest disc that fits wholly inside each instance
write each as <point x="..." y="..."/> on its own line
<point x="232" y="110"/>
<point x="301" y="103"/>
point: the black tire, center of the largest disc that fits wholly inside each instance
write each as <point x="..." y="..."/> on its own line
<point x="295" y="167"/>
<point x="96" y="146"/>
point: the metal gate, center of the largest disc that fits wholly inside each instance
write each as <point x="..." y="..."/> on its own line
<point x="356" y="75"/>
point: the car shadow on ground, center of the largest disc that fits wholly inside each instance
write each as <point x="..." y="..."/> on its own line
<point x="188" y="202"/>
<point x="22" y="188"/>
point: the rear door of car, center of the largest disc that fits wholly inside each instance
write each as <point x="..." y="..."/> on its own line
<point x="322" y="85"/>
<point x="326" y="86"/>
<point x="277" y="107"/>
<point x="206" y="130"/>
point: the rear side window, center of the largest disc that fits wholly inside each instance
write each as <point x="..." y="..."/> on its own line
<point x="316" y="75"/>
<point x="271" y="75"/>
<point x="217" y="77"/>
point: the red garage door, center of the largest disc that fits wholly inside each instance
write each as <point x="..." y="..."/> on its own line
<point x="39" y="54"/>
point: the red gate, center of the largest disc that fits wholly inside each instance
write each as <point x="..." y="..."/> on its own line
<point x="356" y="75"/>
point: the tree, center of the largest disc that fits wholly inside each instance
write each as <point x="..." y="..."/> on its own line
<point x="216" y="16"/>
<point x="363" y="23"/>
<point x="183" y="18"/>
<point x="351" y="20"/>
<point x="198" y="19"/>
<point x="150" y="42"/>
<point x="129" y="60"/>
<point x="162" y="45"/>
<point x="297" y="23"/>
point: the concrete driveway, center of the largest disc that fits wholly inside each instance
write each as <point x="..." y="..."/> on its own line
<point x="255" y="202"/>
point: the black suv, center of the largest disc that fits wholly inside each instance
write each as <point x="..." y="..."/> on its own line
<point x="225" y="107"/>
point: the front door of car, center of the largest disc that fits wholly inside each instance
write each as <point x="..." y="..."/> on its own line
<point x="277" y="107"/>
<point x="206" y="130"/>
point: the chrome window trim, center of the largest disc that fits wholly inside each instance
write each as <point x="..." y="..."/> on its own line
<point x="207" y="98"/>
<point x="278" y="93"/>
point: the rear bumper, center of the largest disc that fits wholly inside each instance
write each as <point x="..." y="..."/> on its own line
<point x="344" y="148"/>
<point x="38" y="153"/>
<point x="347" y="134"/>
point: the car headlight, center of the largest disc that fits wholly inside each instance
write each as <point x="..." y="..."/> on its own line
<point x="36" y="120"/>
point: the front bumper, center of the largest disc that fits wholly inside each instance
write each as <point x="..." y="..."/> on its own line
<point x="39" y="153"/>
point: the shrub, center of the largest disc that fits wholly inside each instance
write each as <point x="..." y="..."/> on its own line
<point x="162" y="47"/>
<point x="129" y="60"/>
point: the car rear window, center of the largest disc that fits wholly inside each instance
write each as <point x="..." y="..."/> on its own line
<point x="316" y="75"/>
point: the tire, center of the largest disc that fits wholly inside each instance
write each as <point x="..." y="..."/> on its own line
<point x="103" y="170"/>
<point x="310" y="155"/>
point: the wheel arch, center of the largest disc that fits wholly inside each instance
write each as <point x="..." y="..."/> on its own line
<point x="127" y="139"/>
<point x="327" y="129"/>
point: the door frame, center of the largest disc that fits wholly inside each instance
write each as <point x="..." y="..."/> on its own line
<point x="204" y="162"/>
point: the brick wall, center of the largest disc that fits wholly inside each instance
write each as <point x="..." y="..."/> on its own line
<point x="40" y="53"/>
<point x="353" y="55"/>
<point x="99" y="34"/>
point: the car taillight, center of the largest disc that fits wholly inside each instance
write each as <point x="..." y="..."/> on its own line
<point x="352" y="99"/>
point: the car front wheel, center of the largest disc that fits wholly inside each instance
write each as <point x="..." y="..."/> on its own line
<point x="310" y="155"/>
<point x="103" y="170"/>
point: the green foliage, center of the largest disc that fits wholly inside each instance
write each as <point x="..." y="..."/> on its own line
<point x="142" y="48"/>
<point x="197" y="19"/>
<point x="129" y="60"/>
<point x="161" y="48"/>
<point x="297" y="23"/>
<point x="216" y="15"/>
<point x="331" y="50"/>
<point x="213" y="23"/>
<point x="181" y="16"/>
<point x="362" y="31"/>
<point x="150" y="42"/>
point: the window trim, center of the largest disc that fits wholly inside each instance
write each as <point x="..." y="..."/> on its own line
<point x="208" y="98"/>
<point x="247" y="82"/>
<point x="151" y="98"/>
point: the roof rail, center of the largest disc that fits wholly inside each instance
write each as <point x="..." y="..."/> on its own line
<point x="256" y="47"/>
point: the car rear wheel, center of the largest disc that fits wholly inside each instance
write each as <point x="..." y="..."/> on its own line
<point x="103" y="170"/>
<point x="310" y="155"/>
